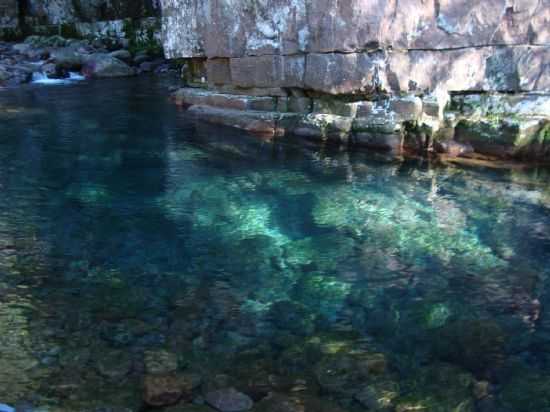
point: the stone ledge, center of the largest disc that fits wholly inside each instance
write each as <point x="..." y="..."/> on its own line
<point x="502" y="126"/>
<point x="195" y="96"/>
<point x="262" y="123"/>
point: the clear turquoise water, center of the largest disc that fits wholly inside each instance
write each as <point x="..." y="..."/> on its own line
<point x="126" y="229"/>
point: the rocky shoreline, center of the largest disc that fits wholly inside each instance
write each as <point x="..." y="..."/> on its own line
<point x="469" y="80"/>
<point x="55" y="57"/>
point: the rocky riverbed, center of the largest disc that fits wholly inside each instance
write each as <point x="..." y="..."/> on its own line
<point x="151" y="263"/>
<point x="55" y="57"/>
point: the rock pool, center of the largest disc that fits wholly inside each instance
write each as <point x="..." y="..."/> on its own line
<point x="147" y="261"/>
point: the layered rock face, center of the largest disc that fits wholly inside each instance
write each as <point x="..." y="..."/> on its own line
<point x="368" y="70"/>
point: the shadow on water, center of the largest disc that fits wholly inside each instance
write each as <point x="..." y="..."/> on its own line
<point x="130" y="235"/>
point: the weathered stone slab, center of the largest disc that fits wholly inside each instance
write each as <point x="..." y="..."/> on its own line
<point x="323" y="127"/>
<point x="195" y="96"/>
<point x="253" y="91"/>
<point x="494" y="45"/>
<point x="218" y="71"/>
<point x="268" y="71"/>
<point x="235" y="28"/>
<point x="295" y="104"/>
<point x="379" y="141"/>
<point x="335" y="106"/>
<point x="276" y="27"/>
<point x="521" y="68"/>
<point x="378" y="122"/>
<point x="336" y="73"/>
<point x="182" y="25"/>
<point x="264" y="123"/>
<point x="406" y="108"/>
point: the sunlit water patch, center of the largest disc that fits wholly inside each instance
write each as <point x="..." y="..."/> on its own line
<point x="137" y="248"/>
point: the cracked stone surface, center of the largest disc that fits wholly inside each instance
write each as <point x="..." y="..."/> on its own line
<point x="359" y="46"/>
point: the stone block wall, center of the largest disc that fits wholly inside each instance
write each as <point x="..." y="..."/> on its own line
<point x="375" y="72"/>
<point x="357" y="46"/>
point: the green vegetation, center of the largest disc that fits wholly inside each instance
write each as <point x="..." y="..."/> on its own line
<point x="142" y="39"/>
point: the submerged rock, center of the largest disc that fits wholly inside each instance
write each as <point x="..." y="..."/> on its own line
<point x="229" y="400"/>
<point x="437" y="388"/>
<point x="295" y="403"/>
<point x="279" y="403"/>
<point x="477" y="345"/>
<point x="345" y="374"/>
<point x="379" y="396"/>
<point x="114" y="364"/>
<point x="163" y="390"/>
<point x="160" y="362"/>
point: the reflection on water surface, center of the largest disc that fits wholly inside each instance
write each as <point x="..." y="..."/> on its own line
<point x="137" y="248"/>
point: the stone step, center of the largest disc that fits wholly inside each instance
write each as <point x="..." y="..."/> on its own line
<point x="257" y="122"/>
<point x="195" y="96"/>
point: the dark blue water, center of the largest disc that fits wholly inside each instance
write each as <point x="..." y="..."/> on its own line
<point x="130" y="233"/>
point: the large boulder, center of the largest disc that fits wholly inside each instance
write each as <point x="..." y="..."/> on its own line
<point x="67" y="59"/>
<point x="101" y="65"/>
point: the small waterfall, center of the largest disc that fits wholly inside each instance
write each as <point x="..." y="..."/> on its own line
<point x="42" y="78"/>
